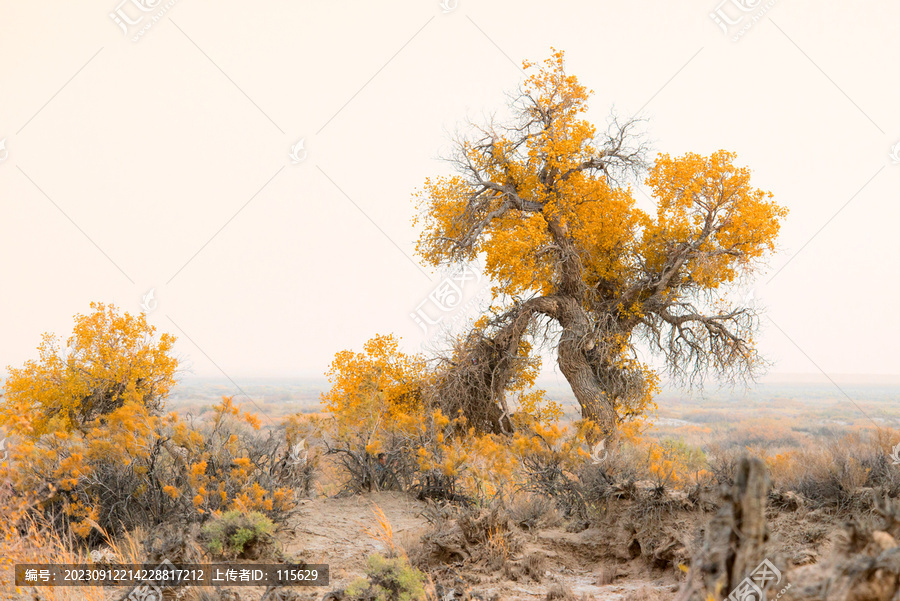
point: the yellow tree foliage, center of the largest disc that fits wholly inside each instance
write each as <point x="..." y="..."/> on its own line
<point x="91" y="444"/>
<point x="532" y="191"/>
<point x="110" y="361"/>
<point x="696" y="195"/>
<point x="544" y="202"/>
<point x="93" y="403"/>
<point x="377" y="388"/>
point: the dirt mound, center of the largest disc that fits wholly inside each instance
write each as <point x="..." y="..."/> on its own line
<point x="334" y="531"/>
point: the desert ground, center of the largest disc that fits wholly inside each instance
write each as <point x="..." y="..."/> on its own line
<point x="825" y="512"/>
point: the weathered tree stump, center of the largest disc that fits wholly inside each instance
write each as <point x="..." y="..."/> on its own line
<point x="735" y="541"/>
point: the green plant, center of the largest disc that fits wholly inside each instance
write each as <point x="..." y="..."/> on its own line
<point x="236" y="534"/>
<point x="388" y="579"/>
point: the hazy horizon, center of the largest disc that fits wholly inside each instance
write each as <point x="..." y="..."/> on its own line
<point x="771" y="378"/>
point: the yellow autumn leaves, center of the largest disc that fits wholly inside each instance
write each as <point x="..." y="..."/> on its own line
<point x="709" y="202"/>
<point x="87" y="426"/>
<point x="545" y="170"/>
<point x="112" y="366"/>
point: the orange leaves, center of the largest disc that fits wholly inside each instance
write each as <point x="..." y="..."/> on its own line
<point x="535" y="182"/>
<point x="554" y="444"/>
<point x="674" y="462"/>
<point x="531" y="195"/>
<point x="380" y="384"/>
<point x="535" y="404"/>
<point x="449" y="457"/>
<point x="441" y="205"/>
<point x="227" y="407"/>
<point x="605" y="223"/>
<point x="553" y="89"/>
<point x="253" y="498"/>
<point x="710" y="203"/>
<point x="512" y="255"/>
<point x="110" y="361"/>
<point x="252" y="419"/>
<point x="529" y="192"/>
<point x="219" y="473"/>
<point x="89" y="519"/>
<point x="481" y="464"/>
<point x="197" y="470"/>
<point x="90" y="433"/>
<point x="540" y="200"/>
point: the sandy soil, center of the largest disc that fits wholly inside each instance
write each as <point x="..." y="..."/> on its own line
<point x="334" y="531"/>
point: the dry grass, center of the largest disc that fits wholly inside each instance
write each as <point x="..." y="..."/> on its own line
<point x="383" y="532"/>
<point x="648" y="593"/>
<point x="410" y="543"/>
<point x="533" y="512"/>
<point x="560" y="592"/>
<point x="37" y="543"/>
<point x="841" y="473"/>
<point x="535" y="564"/>
<point x="838" y="473"/>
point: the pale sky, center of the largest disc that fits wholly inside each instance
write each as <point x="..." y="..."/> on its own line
<point x="164" y="163"/>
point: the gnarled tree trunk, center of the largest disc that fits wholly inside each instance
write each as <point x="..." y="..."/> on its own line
<point x="475" y="382"/>
<point x="595" y="404"/>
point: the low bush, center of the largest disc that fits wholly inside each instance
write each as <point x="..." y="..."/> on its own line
<point x="237" y="535"/>
<point x="842" y="474"/>
<point x="135" y="469"/>
<point x="533" y="512"/>
<point x="468" y="534"/>
<point x="91" y="449"/>
<point x="388" y="579"/>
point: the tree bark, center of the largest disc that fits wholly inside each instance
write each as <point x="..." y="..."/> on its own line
<point x="576" y="366"/>
<point x="480" y="395"/>
<point x="595" y="404"/>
